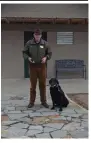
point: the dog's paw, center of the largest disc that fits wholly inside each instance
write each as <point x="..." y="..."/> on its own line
<point x="52" y="108"/>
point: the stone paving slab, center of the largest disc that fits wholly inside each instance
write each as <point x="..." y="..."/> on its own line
<point x="36" y="128"/>
<point x="4" y="127"/>
<point x="55" y="126"/>
<point x="49" y="113"/>
<point x="33" y="132"/>
<point x="68" y="111"/>
<point x="13" y="132"/>
<point x="6" y="102"/>
<point x="80" y="111"/>
<point x="16" y="116"/>
<point x="5" y="111"/>
<point x="10" y="108"/>
<point x="14" y="112"/>
<point x="71" y="126"/>
<point x="35" y="114"/>
<point x="21" y="108"/>
<point x="14" y="102"/>
<point x="69" y="118"/>
<point x="85" y="120"/>
<point x="6" y="123"/>
<point x="60" y="118"/>
<point x="44" y="110"/>
<point x="43" y="135"/>
<point x="2" y="113"/>
<point x="76" y="120"/>
<point x="84" y="124"/>
<point x="28" y="111"/>
<point x="79" y="134"/>
<point x="39" y="122"/>
<point x="2" y="108"/>
<point x="71" y="115"/>
<point x="59" y="134"/>
<point x="25" y="120"/>
<point x="84" y="116"/>
<point x="20" y="125"/>
<point x="5" y="98"/>
<point x="48" y="129"/>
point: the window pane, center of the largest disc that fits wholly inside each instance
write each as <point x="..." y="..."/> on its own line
<point x="64" y="37"/>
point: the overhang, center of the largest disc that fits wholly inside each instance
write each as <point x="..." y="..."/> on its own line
<point x="29" y="20"/>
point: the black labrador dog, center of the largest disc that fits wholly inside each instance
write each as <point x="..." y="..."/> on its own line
<point x="57" y="95"/>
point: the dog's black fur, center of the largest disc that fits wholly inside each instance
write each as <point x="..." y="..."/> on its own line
<point x="57" y="95"/>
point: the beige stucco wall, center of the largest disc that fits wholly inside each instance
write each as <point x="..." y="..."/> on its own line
<point x="45" y="10"/>
<point x="79" y="50"/>
<point x="11" y="57"/>
<point x="12" y="43"/>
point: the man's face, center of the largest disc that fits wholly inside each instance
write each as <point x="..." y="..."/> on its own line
<point x="37" y="37"/>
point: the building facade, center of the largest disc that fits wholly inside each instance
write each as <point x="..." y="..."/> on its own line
<point x="18" y="19"/>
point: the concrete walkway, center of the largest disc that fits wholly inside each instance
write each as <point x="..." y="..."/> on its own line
<point x="18" y="121"/>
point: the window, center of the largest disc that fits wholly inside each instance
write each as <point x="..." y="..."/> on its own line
<point x="64" y="37"/>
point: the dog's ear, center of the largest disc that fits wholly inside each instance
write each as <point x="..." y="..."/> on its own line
<point x="50" y="81"/>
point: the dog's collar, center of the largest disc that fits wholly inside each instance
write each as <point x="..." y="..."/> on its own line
<point x="56" y="85"/>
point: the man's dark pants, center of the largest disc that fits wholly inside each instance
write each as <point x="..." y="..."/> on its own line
<point x="38" y="72"/>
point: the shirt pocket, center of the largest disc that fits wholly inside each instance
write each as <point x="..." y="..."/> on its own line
<point x="32" y="49"/>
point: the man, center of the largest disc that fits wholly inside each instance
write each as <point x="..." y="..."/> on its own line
<point x="37" y="52"/>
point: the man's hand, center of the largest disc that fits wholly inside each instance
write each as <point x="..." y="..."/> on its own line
<point x="44" y="60"/>
<point x="30" y="60"/>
